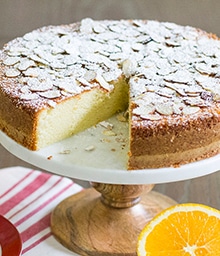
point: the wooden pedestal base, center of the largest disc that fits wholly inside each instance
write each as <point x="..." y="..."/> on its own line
<point x="90" y="224"/>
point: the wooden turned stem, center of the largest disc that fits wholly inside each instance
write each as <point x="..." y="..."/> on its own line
<point x="88" y="223"/>
<point x="121" y="196"/>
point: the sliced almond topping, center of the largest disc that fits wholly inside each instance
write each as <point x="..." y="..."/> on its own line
<point x="163" y="62"/>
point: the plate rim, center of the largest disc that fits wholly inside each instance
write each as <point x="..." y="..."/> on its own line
<point x="146" y="176"/>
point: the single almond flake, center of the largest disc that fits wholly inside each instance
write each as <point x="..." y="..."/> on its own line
<point x="144" y="110"/>
<point x="99" y="28"/>
<point x="189" y="110"/>
<point x="24" y="65"/>
<point x="52" y="103"/>
<point x="57" y="65"/>
<point x="111" y="75"/>
<point x="29" y="96"/>
<point x="176" y="88"/>
<point x="86" y="26"/>
<point x="205" y="68"/>
<point x="164" y="109"/>
<point x="10" y="61"/>
<point x="39" y="86"/>
<point x="50" y="94"/>
<point x="137" y="23"/>
<point x="103" y="83"/>
<point x="15" y="51"/>
<point x="32" y="72"/>
<point x="115" y="28"/>
<point x="164" y="93"/>
<point x="12" y="73"/>
<point x="89" y="75"/>
<point x="177" y="109"/>
<point x="180" y="76"/>
<point x="129" y="67"/>
<point x="172" y="43"/>
<point x="84" y="82"/>
<point x="195" y="101"/>
<point x="31" y="36"/>
<point x="25" y="89"/>
<point x="137" y="46"/>
<point x="37" y="59"/>
<point x="117" y="56"/>
<point x="152" y="117"/>
<point x="192" y="93"/>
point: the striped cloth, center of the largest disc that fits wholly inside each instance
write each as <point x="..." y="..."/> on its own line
<point x="27" y="198"/>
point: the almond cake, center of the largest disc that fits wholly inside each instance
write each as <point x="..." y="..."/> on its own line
<point x="59" y="80"/>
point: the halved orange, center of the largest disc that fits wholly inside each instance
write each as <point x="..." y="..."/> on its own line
<point x="184" y="229"/>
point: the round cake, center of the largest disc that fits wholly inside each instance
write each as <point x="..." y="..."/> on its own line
<point x="59" y="80"/>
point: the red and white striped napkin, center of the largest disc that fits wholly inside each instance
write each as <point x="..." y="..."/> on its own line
<point x="27" y="198"/>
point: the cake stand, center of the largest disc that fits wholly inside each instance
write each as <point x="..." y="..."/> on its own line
<point x="107" y="218"/>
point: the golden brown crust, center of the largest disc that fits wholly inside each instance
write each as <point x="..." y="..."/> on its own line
<point x="175" y="141"/>
<point x="17" y="122"/>
<point x="173" y="159"/>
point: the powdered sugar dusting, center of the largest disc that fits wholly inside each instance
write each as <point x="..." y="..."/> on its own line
<point x="172" y="70"/>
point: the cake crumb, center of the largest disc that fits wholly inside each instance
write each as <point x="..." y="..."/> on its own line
<point x="106" y="125"/>
<point x="65" y="152"/>
<point x="90" y="148"/>
<point x="105" y="140"/>
<point x="109" y="133"/>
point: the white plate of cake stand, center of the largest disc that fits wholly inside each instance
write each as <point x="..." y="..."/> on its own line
<point x="106" y="218"/>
